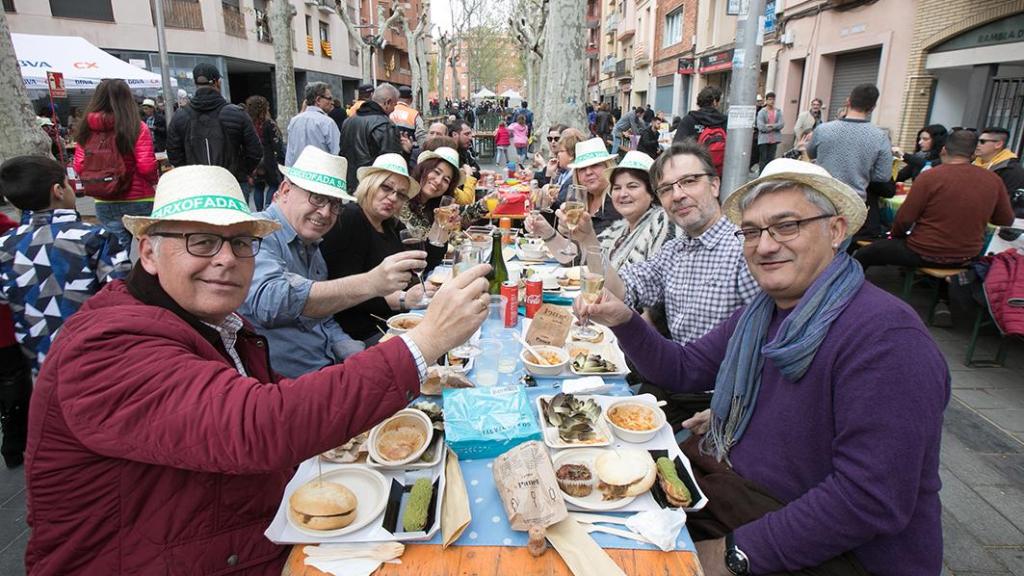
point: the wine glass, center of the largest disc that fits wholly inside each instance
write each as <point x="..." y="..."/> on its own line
<point x="592" y="281"/>
<point x="573" y="208"/>
<point x="414" y="237"/>
<point x="446" y="222"/>
<point x="465" y="258"/>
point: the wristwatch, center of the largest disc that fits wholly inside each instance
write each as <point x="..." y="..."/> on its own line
<point x="735" y="560"/>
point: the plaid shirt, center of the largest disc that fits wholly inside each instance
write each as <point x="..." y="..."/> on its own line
<point x="701" y="281"/>
<point x="228" y="330"/>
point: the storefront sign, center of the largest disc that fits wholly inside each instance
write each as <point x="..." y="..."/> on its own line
<point x="685" y="66"/>
<point x="716" y="62"/>
<point x="1005" y="31"/>
<point x="769" y="17"/>
<point x="56" y="84"/>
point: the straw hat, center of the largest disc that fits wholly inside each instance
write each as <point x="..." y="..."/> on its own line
<point x="319" y="172"/>
<point x="632" y="159"/>
<point x="445" y="153"/>
<point x="393" y="164"/>
<point x="149" y="102"/>
<point x="590" y="152"/>
<point x="207" y="194"/>
<point x="848" y="204"/>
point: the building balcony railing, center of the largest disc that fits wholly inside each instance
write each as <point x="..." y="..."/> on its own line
<point x="234" y="22"/>
<point x="611" y="24"/>
<point x="326" y="6"/>
<point x="593" y="53"/>
<point x="186" y="14"/>
<point x="623" y="68"/>
<point x="626" y="29"/>
<point x="325" y="49"/>
<point x="608" y="66"/>
<point x="593" y="22"/>
<point x="641" y="59"/>
<point x="263" y="26"/>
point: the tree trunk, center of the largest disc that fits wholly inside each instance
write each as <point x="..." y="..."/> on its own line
<point x="365" y="51"/>
<point x="281" y="15"/>
<point x="456" y="85"/>
<point x="564" y="67"/>
<point x="19" y="133"/>
<point x="443" y="46"/>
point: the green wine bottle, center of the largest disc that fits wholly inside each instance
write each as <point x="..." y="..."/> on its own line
<point x="498" y="274"/>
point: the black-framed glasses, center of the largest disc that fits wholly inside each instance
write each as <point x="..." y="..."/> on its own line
<point x="685" y="182"/>
<point x="319" y="200"/>
<point x="780" y="231"/>
<point x="388" y="190"/>
<point x="207" y="245"/>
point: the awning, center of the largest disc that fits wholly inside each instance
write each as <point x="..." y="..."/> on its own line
<point x="82" y="64"/>
<point x="483" y="93"/>
<point x="511" y="94"/>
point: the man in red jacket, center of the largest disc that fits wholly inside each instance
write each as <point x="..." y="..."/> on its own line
<point x="160" y="440"/>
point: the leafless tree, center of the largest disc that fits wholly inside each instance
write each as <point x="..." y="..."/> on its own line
<point x="371" y="43"/>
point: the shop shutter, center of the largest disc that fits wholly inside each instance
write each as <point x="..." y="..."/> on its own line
<point x="851" y="70"/>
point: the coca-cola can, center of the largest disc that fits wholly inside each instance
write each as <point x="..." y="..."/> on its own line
<point x="510" y="290"/>
<point x="534" y="296"/>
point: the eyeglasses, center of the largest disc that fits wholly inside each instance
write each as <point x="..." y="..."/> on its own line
<point x="319" y="200"/>
<point x="400" y="195"/>
<point x="206" y="245"/>
<point x="780" y="231"/>
<point x="684" y="182"/>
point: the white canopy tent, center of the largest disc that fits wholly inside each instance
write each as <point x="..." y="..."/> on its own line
<point x="482" y="94"/>
<point x="82" y="64"/>
<point x="514" y="98"/>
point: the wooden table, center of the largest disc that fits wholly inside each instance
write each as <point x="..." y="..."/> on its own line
<point x="431" y="560"/>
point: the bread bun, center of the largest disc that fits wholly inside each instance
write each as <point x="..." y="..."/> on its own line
<point x="322" y="505"/>
<point x="625" y="472"/>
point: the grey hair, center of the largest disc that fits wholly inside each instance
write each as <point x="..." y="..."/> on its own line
<point x="385" y="92"/>
<point x="810" y="194"/>
<point x="314" y="90"/>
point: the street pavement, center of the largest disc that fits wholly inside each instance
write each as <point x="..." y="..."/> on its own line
<point x="982" y="458"/>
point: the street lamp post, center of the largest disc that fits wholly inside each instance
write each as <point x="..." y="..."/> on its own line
<point x="746" y="68"/>
<point x="165" y="72"/>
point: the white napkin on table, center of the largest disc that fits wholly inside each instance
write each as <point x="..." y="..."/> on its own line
<point x="349" y="567"/>
<point x="585" y="385"/>
<point x="661" y="526"/>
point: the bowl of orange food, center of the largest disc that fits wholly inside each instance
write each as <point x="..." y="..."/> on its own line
<point x="633" y="420"/>
<point x="553" y="362"/>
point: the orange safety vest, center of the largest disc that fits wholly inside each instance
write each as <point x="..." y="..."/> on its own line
<point x="354" y="107"/>
<point x="404" y="116"/>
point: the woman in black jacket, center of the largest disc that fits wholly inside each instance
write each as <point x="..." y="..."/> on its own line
<point x="266" y="178"/>
<point x="930" y="141"/>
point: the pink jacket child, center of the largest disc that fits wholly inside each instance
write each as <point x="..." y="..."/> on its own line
<point x="142" y="165"/>
<point x="520" y="133"/>
<point x="501" y="136"/>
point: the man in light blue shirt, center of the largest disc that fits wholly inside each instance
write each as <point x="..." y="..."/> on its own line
<point x="290" y="298"/>
<point x="313" y="127"/>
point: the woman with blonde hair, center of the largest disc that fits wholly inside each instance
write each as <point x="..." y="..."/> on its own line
<point x="367" y="232"/>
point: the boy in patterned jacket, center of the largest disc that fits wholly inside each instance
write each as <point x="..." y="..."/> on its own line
<point x="54" y="261"/>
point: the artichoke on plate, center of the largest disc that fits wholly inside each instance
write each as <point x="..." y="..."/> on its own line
<point x="575" y="419"/>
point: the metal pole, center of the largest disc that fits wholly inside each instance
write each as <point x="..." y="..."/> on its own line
<point x="746" y="68"/>
<point x="165" y="72"/>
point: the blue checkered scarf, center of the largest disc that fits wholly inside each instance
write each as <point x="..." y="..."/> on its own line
<point x="792" y="350"/>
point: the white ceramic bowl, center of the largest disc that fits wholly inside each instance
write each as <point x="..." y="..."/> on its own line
<point x="545" y="369"/>
<point x="406" y="417"/>
<point x="395" y="322"/>
<point x="635" y="436"/>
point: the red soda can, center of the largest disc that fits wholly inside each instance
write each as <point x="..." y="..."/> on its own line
<point x="510" y="290"/>
<point x="534" y="296"/>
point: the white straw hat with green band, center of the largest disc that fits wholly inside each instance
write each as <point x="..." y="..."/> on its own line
<point x="395" y="164"/>
<point x="590" y="152"/>
<point x="633" y="160"/>
<point x="319" y="172"/>
<point x="447" y="154"/>
<point x="206" y="194"/>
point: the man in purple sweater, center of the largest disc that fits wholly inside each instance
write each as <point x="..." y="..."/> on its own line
<point x="829" y="394"/>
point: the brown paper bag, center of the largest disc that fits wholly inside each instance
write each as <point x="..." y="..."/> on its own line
<point x="550" y="326"/>
<point x="527" y="486"/>
<point x="455" y="514"/>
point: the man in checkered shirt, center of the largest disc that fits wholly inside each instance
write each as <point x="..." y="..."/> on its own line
<point x="701" y="277"/>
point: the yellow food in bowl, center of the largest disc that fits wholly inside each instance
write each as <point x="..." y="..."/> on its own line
<point x="633" y="417"/>
<point x="550" y="358"/>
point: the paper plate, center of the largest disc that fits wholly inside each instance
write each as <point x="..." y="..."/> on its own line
<point x="370" y="488"/>
<point x="587" y="456"/>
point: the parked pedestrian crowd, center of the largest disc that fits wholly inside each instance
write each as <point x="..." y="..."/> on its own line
<point x="166" y="368"/>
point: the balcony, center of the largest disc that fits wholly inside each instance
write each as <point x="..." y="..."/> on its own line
<point x="325" y="6"/>
<point x="640" y="56"/>
<point x="263" y="26"/>
<point x="187" y="14"/>
<point x="234" y="22"/>
<point x="611" y="23"/>
<point x="627" y="29"/>
<point x="623" y="68"/>
<point x="608" y="65"/>
<point x="593" y="53"/>
<point x="593" y="22"/>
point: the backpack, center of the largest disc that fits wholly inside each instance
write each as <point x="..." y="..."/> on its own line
<point x="104" y="172"/>
<point x="713" y="138"/>
<point x="205" y="140"/>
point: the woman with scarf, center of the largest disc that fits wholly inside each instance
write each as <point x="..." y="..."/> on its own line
<point x="822" y="452"/>
<point x="930" y="141"/>
<point x="641" y="231"/>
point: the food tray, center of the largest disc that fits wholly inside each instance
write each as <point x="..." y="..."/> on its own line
<point x="551" y="438"/>
<point x="607" y="350"/>
<point x="594" y="501"/>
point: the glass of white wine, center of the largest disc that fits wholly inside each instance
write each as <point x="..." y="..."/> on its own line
<point x="465" y="258"/>
<point x="592" y="283"/>
<point x="413" y="237"/>
<point x="573" y="208"/>
<point x="445" y="222"/>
